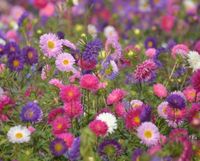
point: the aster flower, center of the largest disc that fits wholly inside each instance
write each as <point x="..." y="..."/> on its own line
<point x="145" y="72"/>
<point x="18" y="134"/>
<point x="109" y="119"/>
<point x="158" y="4"/>
<point x="73" y="109"/>
<point x="98" y="127"/>
<point x="70" y="93"/>
<point x="109" y="31"/>
<point x="196" y="80"/>
<point x="60" y="125"/>
<point x="176" y="101"/>
<point x="150" y="42"/>
<point x="180" y="49"/>
<point x="54" y="113"/>
<point x="132" y="118"/>
<point x="162" y="109"/>
<point x="67" y="137"/>
<point x="148" y="133"/>
<point x="160" y="90"/>
<point x="113" y="145"/>
<point x="15" y="62"/>
<point x="50" y="45"/>
<point x="64" y="62"/>
<point x="120" y="109"/>
<point x="68" y="44"/>
<point x="115" y="96"/>
<point x="56" y="82"/>
<point x="89" y="82"/>
<point x="194" y="115"/>
<point x="194" y="60"/>
<point x="30" y="55"/>
<point x="11" y="47"/>
<point x="58" y="147"/>
<point x="136" y="103"/>
<point x="31" y="112"/>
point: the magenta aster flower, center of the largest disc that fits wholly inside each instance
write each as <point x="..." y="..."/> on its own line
<point x="115" y="96"/>
<point x="196" y="80"/>
<point x="98" y="127"/>
<point x="64" y="62"/>
<point x="51" y="45"/>
<point x="89" y="82"/>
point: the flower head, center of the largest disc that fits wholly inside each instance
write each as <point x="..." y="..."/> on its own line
<point x="68" y="138"/>
<point x="15" y="62"/>
<point x="194" y="60"/>
<point x="54" y="113"/>
<point x="11" y="48"/>
<point x="73" y="109"/>
<point x="90" y="82"/>
<point x="98" y="127"/>
<point x="180" y="49"/>
<point x="18" y="134"/>
<point x="162" y="109"/>
<point x="58" y="147"/>
<point x="176" y="101"/>
<point x="160" y="90"/>
<point x="31" y="112"/>
<point x="115" y="96"/>
<point x="30" y="55"/>
<point x="150" y="42"/>
<point x="60" y="125"/>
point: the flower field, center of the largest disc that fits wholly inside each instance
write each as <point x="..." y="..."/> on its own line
<point x="99" y="80"/>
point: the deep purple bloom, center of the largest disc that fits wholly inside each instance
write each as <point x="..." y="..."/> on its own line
<point x="60" y="35"/>
<point x="109" y="146"/>
<point x="73" y="154"/>
<point x="11" y="47"/>
<point x="58" y="147"/>
<point x="30" y="55"/>
<point x="176" y="101"/>
<point x="31" y="112"/>
<point x="150" y="42"/>
<point x="15" y="62"/>
<point x="196" y="80"/>
<point x="145" y="114"/>
<point x="136" y="154"/>
<point x="22" y="18"/>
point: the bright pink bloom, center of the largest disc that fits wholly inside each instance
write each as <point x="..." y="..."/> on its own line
<point x="57" y="112"/>
<point x="67" y="137"/>
<point x="73" y="109"/>
<point x="115" y="96"/>
<point x="98" y="127"/>
<point x="179" y="49"/>
<point x="68" y="44"/>
<point x="132" y="118"/>
<point x="197" y="46"/>
<point x="56" y="82"/>
<point x="150" y="52"/>
<point x="160" y="90"/>
<point x="60" y="125"/>
<point x="120" y="109"/>
<point x="167" y="22"/>
<point x="90" y="82"/>
<point x="70" y="93"/>
<point x="48" y="10"/>
<point x="154" y="149"/>
<point x="190" y="93"/>
<point x="31" y="129"/>
<point x="40" y="3"/>
<point x="12" y="35"/>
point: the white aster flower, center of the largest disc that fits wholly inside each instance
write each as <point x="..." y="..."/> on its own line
<point x="18" y="134"/>
<point x="109" y="119"/>
<point x="194" y="60"/>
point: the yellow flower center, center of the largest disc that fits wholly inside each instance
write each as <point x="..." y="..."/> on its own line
<point x="136" y="119"/>
<point x="150" y="44"/>
<point x="30" y="55"/>
<point x="18" y="135"/>
<point x="65" y="62"/>
<point x="58" y="147"/>
<point x="51" y="44"/>
<point x="59" y="126"/>
<point x="148" y="134"/>
<point x="70" y="93"/>
<point x="16" y="63"/>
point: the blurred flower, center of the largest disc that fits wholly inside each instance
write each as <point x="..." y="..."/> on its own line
<point x="162" y="109"/>
<point x="179" y="49"/>
<point x="120" y="109"/>
<point x="190" y="93"/>
<point x="167" y="22"/>
<point x="45" y="71"/>
<point x="176" y="101"/>
<point x="11" y="47"/>
<point x="92" y="30"/>
<point x="56" y="82"/>
<point x="73" y="153"/>
<point x="54" y="113"/>
<point x="109" y="31"/>
<point x="196" y="80"/>
<point x="136" y="154"/>
<point x="150" y="42"/>
<point x="150" y="52"/>
<point x="40" y="3"/>
<point x="194" y="60"/>
<point x="160" y="90"/>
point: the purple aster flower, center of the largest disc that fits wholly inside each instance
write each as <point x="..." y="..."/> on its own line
<point x="1" y="50"/>
<point x="11" y="47"/>
<point x="179" y="72"/>
<point x="30" y="55"/>
<point x="15" y="62"/>
<point x="146" y="113"/>
<point x="110" y="147"/>
<point x="150" y="42"/>
<point x="31" y="112"/>
<point x="60" y="35"/>
<point x="73" y="153"/>
<point x="176" y="101"/>
<point x="136" y="154"/>
<point x="22" y="18"/>
<point x="58" y="147"/>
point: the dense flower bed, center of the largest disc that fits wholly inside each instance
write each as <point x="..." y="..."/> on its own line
<point x="93" y="80"/>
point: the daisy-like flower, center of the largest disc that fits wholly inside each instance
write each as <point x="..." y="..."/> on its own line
<point x="31" y="112"/>
<point x="109" y="119"/>
<point x="109" y="31"/>
<point x="148" y="133"/>
<point x="11" y="47"/>
<point x="160" y="90"/>
<point x="15" y="62"/>
<point x="18" y="134"/>
<point x="132" y="118"/>
<point x="115" y="96"/>
<point x="190" y="93"/>
<point x="67" y="137"/>
<point x="30" y="55"/>
<point x="58" y="147"/>
<point x="194" y="60"/>
<point x="60" y="125"/>
<point x="70" y="93"/>
<point x="51" y="45"/>
<point x="162" y="109"/>
<point x="53" y="114"/>
<point x="64" y="62"/>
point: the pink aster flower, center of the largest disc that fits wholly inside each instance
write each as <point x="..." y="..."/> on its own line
<point x="54" y="113"/>
<point x="50" y="45"/>
<point x="120" y="109"/>
<point x="160" y="90"/>
<point x="148" y="133"/>
<point x="154" y="149"/>
<point x="76" y="75"/>
<point x="64" y="62"/>
<point x="98" y="127"/>
<point x="190" y="93"/>
<point x="89" y="82"/>
<point x="194" y="115"/>
<point x="150" y="52"/>
<point x="45" y="70"/>
<point x="70" y="93"/>
<point x="31" y="129"/>
<point x="67" y="137"/>
<point x="56" y="82"/>
<point x="115" y="96"/>
<point x="73" y="109"/>
<point x="48" y="10"/>
<point x="132" y="118"/>
<point x="60" y="125"/>
<point x="179" y="49"/>
<point x="167" y="22"/>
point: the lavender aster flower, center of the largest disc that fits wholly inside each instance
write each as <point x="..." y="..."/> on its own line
<point x="176" y="101"/>
<point x="31" y="112"/>
<point x="15" y="62"/>
<point x="11" y="47"/>
<point x="58" y="147"/>
<point x="30" y="55"/>
<point x="109" y="147"/>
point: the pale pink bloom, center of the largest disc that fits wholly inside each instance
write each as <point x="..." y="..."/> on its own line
<point x="31" y="129"/>
<point x="56" y="82"/>
<point x="160" y="90"/>
<point x="150" y="52"/>
<point x="2" y="67"/>
<point x="179" y="49"/>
